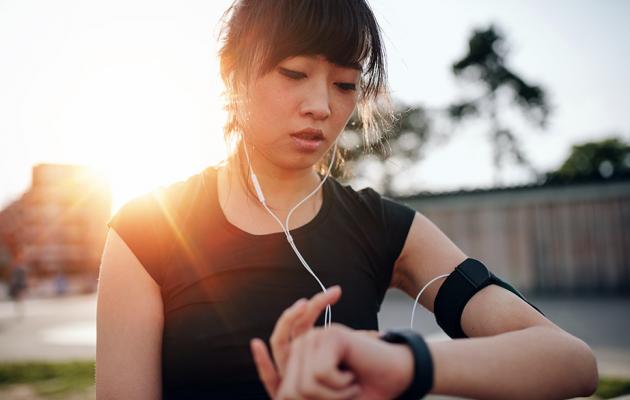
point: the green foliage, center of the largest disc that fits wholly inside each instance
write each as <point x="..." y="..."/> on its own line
<point x="49" y="378"/>
<point x="485" y="65"/>
<point x="59" y="379"/>
<point x="404" y="142"/>
<point x="594" y="161"/>
<point x="612" y="387"/>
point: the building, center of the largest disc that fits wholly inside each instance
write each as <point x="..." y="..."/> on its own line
<point x="59" y="223"/>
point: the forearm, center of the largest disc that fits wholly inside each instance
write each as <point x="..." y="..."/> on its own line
<point x="533" y="363"/>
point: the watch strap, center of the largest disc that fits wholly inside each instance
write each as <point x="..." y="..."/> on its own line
<point x="422" y="381"/>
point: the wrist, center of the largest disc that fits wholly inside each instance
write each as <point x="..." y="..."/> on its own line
<point x="421" y="381"/>
<point x="402" y="367"/>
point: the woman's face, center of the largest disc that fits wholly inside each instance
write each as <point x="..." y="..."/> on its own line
<point x="297" y="110"/>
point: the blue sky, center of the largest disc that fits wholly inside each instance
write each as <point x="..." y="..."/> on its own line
<point x="131" y="86"/>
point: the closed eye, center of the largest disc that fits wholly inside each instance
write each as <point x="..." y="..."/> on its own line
<point x="291" y="74"/>
<point x="346" y="86"/>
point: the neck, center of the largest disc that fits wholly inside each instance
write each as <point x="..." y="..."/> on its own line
<point x="282" y="188"/>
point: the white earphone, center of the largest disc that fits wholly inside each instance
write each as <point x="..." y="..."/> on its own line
<point x="285" y="226"/>
<point x="415" y="303"/>
<point x="287" y="233"/>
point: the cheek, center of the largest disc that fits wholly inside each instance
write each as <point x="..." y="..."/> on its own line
<point x="345" y="106"/>
<point x="271" y="102"/>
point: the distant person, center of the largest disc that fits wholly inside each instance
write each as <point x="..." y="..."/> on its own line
<point x="18" y="284"/>
<point x="192" y="273"/>
<point x="60" y="283"/>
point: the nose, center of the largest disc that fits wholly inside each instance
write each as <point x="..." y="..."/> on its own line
<point x="316" y="103"/>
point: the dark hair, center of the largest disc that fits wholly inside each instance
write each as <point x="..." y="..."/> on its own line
<point x="258" y="34"/>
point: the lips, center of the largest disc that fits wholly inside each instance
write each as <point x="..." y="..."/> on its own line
<point x="308" y="140"/>
<point x="309" y="134"/>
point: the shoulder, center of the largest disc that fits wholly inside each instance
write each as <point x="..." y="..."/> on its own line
<point x="365" y="199"/>
<point x="162" y="204"/>
<point x="383" y="208"/>
<point x="152" y="225"/>
<point x="391" y="218"/>
<point x="149" y="223"/>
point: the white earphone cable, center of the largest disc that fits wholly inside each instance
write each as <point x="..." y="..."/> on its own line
<point x="287" y="233"/>
<point x="415" y="303"/>
<point x="285" y="226"/>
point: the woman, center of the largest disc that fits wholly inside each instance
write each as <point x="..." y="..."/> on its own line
<point x="191" y="274"/>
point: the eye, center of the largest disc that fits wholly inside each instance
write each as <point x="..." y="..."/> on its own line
<point x="346" y="87"/>
<point x="291" y="74"/>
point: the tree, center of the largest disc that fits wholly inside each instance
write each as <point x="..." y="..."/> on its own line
<point x="594" y="161"/>
<point x="485" y="65"/>
<point x="402" y="147"/>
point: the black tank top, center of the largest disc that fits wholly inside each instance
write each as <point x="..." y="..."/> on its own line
<point x="222" y="286"/>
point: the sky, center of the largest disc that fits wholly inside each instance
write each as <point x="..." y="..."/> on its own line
<point x="131" y="86"/>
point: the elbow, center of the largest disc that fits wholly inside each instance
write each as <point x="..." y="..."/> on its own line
<point x="579" y="376"/>
<point x="587" y="370"/>
<point x="592" y="378"/>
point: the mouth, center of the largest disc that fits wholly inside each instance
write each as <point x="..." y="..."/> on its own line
<point x="309" y="134"/>
<point x="308" y="140"/>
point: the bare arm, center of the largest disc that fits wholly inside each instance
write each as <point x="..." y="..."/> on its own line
<point x="513" y="350"/>
<point x="129" y="327"/>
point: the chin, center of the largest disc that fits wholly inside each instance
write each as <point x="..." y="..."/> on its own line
<point x="301" y="162"/>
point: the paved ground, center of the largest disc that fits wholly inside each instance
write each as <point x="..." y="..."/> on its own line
<point x="60" y="329"/>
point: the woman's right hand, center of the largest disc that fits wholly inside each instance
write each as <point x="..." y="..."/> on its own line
<point x="338" y="363"/>
<point x="294" y="321"/>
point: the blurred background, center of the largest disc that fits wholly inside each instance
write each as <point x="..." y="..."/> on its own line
<point x="513" y="136"/>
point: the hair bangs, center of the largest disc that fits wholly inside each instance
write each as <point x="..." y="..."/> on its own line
<point x="344" y="32"/>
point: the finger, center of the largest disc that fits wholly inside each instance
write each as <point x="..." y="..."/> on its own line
<point x="266" y="370"/>
<point x="370" y="333"/>
<point x="350" y="392"/>
<point x="315" y="367"/>
<point x="315" y="306"/>
<point x="290" y="380"/>
<point x="326" y="360"/>
<point x="281" y="336"/>
<point x="335" y="378"/>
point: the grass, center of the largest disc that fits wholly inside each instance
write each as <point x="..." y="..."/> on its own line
<point x="50" y="380"/>
<point x="60" y="380"/>
<point x="612" y="387"/>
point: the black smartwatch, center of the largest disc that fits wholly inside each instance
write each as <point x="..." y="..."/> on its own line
<point x="423" y="363"/>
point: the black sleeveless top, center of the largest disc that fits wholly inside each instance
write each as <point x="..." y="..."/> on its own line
<point x="222" y="286"/>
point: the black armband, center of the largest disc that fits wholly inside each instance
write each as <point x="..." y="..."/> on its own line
<point x="468" y="278"/>
<point x="422" y="362"/>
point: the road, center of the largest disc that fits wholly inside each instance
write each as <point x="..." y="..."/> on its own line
<point x="62" y="329"/>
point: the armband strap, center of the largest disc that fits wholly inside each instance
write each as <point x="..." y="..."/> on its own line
<point x="464" y="282"/>
<point x="422" y="362"/>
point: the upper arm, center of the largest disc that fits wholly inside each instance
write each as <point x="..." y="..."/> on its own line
<point x="428" y="253"/>
<point x="129" y="326"/>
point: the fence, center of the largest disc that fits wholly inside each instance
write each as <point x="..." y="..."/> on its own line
<point x="566" y="238"/>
